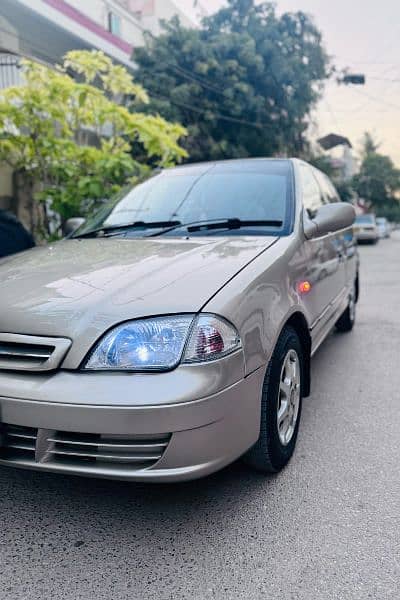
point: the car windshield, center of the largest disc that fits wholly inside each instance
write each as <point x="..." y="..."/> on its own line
<point x="255" y="191"/>
<point x="365" y="219"/>
<point x="381" y="221"/>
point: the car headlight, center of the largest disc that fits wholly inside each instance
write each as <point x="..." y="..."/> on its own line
<point x="161" y="343"/>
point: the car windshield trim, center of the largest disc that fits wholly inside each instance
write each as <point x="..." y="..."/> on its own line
<point x="220" y="194"/>
<point x="167" y="225"/>
<point x="230" y="223"/>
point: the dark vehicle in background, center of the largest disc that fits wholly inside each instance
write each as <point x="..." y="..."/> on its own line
<point x="13" y="236"/>
<point x="366" y="229"/>
<point x="384" y="228"/>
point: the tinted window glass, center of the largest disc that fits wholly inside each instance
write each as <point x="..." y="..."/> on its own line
<point x="312" y="198"/>
<point x="259" y="190"/>
<point x="328" y="190"/>
<point x="114" y="24"/>
<point x="370" y="219"/>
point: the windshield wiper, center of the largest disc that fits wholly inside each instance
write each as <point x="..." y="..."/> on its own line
<point x="230" y="224"/>
<point x="165" y="225"/>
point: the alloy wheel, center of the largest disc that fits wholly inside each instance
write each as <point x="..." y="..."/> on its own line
<point x="289" y="397"/>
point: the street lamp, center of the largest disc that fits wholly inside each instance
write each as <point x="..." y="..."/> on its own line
<point x="347" y="78"/>
<point x="353" y="79"/>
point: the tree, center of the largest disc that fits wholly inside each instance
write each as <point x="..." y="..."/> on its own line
<point x="243" y="84"/>
<point x="369" y="145"/>
<point x="378" y="181"/>
<point x="69" y="135"/>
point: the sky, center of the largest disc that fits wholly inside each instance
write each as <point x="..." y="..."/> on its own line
<point x="363" y="35"/>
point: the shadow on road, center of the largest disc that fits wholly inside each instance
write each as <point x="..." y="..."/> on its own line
<point x="57" y="495"/>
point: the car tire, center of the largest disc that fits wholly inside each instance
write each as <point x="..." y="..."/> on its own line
<point x="283" y="383"/>
<point x="348" y="318"/>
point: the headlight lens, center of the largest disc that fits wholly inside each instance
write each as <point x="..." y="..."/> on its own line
<point x="145" y="345"/>
<point x="161" y="343"/>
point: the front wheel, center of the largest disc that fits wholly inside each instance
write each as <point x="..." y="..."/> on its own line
<point x="280" y="406"/>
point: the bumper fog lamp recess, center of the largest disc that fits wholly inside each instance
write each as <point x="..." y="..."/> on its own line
<point x="44" y="446"/>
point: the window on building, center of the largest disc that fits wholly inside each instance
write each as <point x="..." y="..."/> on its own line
<point x="114" y="24"/>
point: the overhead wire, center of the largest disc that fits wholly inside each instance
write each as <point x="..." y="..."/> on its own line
<point x="219" y="116"/>
<point x="378" y="100"/>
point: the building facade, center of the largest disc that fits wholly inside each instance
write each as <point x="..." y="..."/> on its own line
<point x="150" y="13"/>
<point x="339" y="151"/>
<point x="45" y="30"/>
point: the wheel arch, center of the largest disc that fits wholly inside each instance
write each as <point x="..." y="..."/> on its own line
<point x="299" y="323"/>
<point x="357" y="286"/>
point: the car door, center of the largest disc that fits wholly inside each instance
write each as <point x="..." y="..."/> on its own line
<point x="325" y="269"/>
<point x="349" y="244"/>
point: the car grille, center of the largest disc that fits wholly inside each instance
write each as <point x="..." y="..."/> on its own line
<point x="45" y="446"/>
<point x="31" y="353"/>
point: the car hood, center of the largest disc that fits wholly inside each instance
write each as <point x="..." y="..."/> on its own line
<point x="80" y="288"/>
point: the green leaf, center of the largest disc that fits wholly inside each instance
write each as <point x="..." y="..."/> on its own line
<point x="74" y="140"/>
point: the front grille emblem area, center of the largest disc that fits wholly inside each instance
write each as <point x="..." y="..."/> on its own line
<point x="32" y="353"/>
<point x="44" y="445"/>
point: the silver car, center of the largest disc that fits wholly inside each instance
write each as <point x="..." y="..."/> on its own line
<point x="383" y="228"/>
<point x="172" y="333"/>
<point x="366" y="229"/>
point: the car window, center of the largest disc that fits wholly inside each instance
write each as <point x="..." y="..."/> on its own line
<point x="312" y="197"/>
<point x="329" y="191"/>
<point x="366" y="219"/>
<point x="235" y="195"/>
<point x="249" y="192"/>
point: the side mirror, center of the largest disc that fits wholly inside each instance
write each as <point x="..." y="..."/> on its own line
<point x="330" y="218"/>
<point x="72" y="225"/>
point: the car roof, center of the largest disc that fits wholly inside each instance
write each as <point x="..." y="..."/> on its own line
<point x="234" y="163"/>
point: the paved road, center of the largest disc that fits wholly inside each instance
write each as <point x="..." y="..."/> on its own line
<point x="326" y="528"/>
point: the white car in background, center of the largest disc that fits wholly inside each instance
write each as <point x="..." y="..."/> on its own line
<point x="383" y="227"/>
<point x="366" y="228"/>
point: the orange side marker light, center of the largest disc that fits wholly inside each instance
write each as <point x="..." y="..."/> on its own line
<point x="304" y="287"/>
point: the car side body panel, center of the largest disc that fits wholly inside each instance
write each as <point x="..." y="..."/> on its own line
<point x="265" y="295"/>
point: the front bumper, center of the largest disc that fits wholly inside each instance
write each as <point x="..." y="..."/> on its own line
<point x="203" y="435"/>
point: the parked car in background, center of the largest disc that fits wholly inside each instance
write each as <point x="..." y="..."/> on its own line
<point x="384" y="227"/>
<point x="366" y="228"/>
<point x="173" y="332"/>
<point x="13" y="236"/>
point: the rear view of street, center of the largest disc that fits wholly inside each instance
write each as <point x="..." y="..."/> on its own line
<point x="326" y="528"/>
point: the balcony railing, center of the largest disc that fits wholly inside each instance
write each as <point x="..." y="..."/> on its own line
<point x="9" y="70"/>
